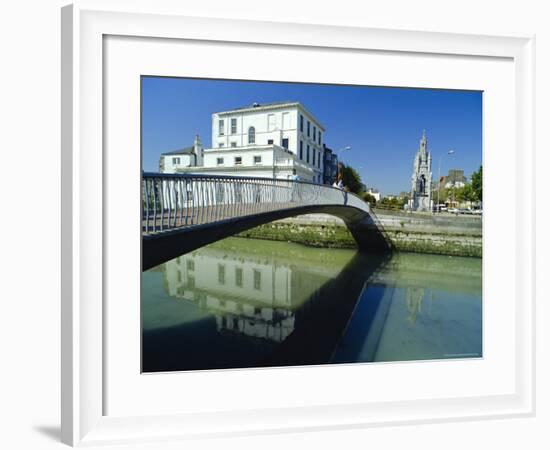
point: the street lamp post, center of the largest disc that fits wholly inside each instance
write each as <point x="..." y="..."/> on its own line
<point x="343" y="149"/>
<point x="450" y="152"/>
<point x="348" y="147"/>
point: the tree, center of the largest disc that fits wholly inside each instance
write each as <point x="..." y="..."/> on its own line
<point x="369" y="198"/>
<point x="477" y="184"/>
<point x="392" y="203"/>
<point x="351" y="179"/>
<point x="465" y="193"/>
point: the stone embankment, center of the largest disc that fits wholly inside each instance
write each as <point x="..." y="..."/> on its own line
<point x="443" y="234"/>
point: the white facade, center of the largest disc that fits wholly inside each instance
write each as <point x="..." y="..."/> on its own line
<point x="456" y="184"/>
<point x="266" y="161"/>
<point x="375" y="193"/>
<point x="172" y="162"/>
<point x="275" y="140"/>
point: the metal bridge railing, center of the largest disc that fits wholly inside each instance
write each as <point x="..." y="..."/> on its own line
<point x="172" y="201"/>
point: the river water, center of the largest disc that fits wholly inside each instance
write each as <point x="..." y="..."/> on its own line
<point x="254" y="303"/>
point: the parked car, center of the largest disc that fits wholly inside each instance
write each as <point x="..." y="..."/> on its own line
<point x="439" y="208"/>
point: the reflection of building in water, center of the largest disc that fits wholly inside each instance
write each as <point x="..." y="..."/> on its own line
<point x="414" y="303"/>
<point x="254" y="296"/>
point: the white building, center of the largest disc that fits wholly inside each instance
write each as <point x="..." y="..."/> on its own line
<point x="172" y="162"/>
<point x="375" y="193"/>
<point x="455" y="179"/>
<point x="274" y="140"/>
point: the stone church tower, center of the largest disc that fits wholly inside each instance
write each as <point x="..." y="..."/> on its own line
<point x="421" y="189"/>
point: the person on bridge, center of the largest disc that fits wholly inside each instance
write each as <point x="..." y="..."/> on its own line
<point x="295" y="186"/>
<point x="338" y="182"/>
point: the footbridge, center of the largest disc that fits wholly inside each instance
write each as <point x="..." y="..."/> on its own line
<point x="183" y="212"/>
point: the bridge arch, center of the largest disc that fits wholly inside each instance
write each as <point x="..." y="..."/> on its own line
<point x="181" y="213"/>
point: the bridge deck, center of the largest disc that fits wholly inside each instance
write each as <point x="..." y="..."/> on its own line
<point x="184" y="212"/>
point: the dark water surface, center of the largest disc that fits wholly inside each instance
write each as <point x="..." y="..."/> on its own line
<point x="253" y="303"/>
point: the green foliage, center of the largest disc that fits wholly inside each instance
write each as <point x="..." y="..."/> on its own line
<point x="477" y="184"/>
<point x="465" y="194"/>
<point x="393" y="203"/>
<point x="351" y="179"/>
<point x="369" y="198"/>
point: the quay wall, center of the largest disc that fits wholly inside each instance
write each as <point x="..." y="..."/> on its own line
<point x="419" y="233"/>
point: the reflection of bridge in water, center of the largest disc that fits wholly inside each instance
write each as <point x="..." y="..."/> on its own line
<point x="181" y="213"/>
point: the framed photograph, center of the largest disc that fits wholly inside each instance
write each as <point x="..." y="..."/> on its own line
<point x="277" y="227"/>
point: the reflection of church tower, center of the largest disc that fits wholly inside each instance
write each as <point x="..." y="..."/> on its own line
<point x="414" y="303"/>
<point x="421" y="189"/>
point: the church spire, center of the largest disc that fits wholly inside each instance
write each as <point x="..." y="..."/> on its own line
<point x="423" y="143"/>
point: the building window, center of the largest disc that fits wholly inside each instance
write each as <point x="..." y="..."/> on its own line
<point x="319" y="160"/>
<point x="270" y="142"/>
<point x="301" y="123"/>
<point x="239" y="276"/>
<point x="219" y="161"/>
<point x="233" y="126"/>
<point x="257" y="280"/>
<point x="251" y="135"/>
<point x="285" y="121"/>
<point x="314" y="133"/>
<point x="302" y="150"/>
<point x="220" y="127"/>
<point x="270" y="122"/>
<point x="285" y="143"/>
<point x="308" y="124"/>
<point x="176" y="160"/>
<point x="257" y="159"/>
<point x="221" y="144"/>
<point x="307" y="154"/>
<point x="233" y="144"/>
<point x="190" y="264"/>
<point x="314" y="153"/>
<point x="319" y="136"/>
<point x="221" y="273"/>
<point x="238" y="160"/>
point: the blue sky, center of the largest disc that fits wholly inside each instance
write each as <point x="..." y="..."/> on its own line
<point x="382" y="125"/>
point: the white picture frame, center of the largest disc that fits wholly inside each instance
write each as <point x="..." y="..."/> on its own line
<point x="84" y="418"/>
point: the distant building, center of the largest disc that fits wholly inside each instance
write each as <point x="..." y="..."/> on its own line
<point x="375" y="193"/>
<point x="421" y="188"/>
<point x="275" y="140"/>
<point x="330" y="171"/>
<point x="172" y="162"/>
<point x="455" y="179"/>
